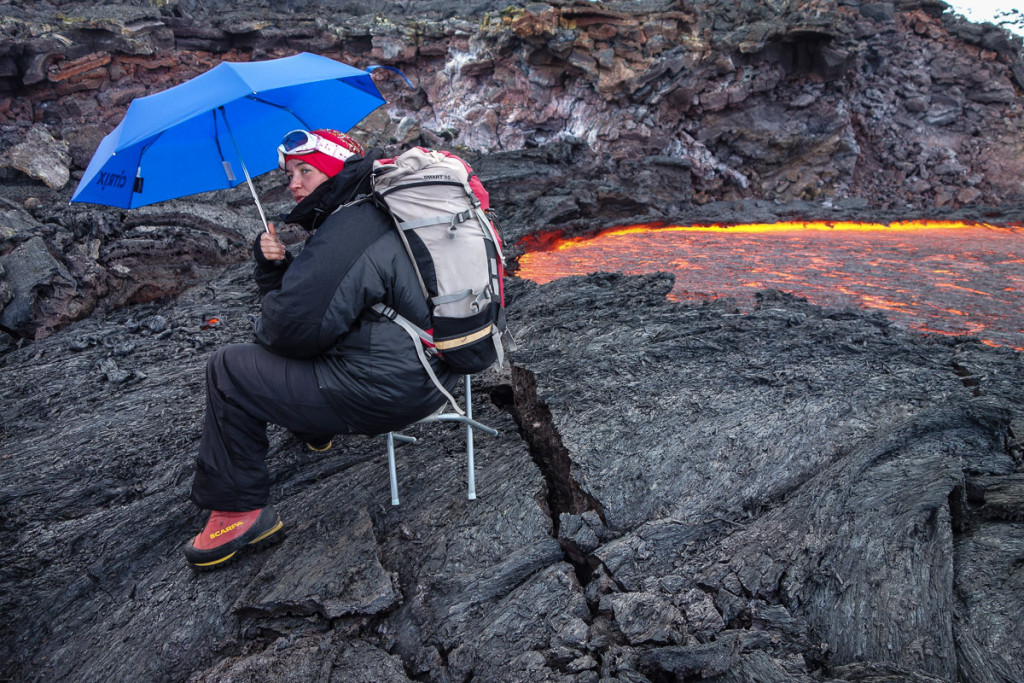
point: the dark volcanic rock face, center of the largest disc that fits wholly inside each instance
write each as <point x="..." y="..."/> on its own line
<point x="678" y="492"/>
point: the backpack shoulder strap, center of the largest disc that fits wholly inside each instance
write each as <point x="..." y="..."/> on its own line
<point x="418" y="336"/>
<point x="378" y="199"/>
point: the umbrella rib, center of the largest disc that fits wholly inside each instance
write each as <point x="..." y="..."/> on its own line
<point x="220" y="152"/>
<point x="139" y="179"/>
<point x="279" y="106"/>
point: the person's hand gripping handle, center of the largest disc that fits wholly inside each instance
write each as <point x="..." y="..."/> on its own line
<point x="271" y="245"/>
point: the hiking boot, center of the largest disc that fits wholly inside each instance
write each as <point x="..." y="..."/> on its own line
<point x="226" y="533"/>
<point x="320" y="445"/>
<point x="316" y="442"/>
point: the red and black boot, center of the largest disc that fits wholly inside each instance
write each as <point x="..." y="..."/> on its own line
<point x="226" y="533"/>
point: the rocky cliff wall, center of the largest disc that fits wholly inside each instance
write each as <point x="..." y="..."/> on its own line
<point x="782" y="100"/>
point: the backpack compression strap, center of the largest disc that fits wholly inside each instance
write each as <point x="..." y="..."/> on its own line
<point x="419" y="336"/>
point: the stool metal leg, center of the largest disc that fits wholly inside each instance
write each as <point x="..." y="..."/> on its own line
<point x="470" y="465"/>
<point x="391" y="468"/>
<point x="392" y="438"/>
<point x="467" y="420"/>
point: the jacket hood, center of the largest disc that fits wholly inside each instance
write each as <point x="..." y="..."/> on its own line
<point x="353" y="181"/>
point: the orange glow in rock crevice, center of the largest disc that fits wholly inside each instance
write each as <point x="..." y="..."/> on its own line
<point x="951" y="277"/>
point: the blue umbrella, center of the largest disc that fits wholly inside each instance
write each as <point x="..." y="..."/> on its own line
<point x="194" y="137"/>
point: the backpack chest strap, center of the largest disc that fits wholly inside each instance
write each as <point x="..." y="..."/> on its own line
<point x="452" y="219"/>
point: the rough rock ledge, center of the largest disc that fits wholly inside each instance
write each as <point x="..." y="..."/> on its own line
<point x="679" y="492"/>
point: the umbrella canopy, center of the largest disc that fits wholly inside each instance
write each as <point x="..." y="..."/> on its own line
<point x="215" y="130"/>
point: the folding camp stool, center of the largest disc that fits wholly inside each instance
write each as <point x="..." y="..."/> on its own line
<point x="441" y="416"/>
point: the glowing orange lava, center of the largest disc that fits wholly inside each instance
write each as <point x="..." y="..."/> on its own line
<point x="951" y="277"/>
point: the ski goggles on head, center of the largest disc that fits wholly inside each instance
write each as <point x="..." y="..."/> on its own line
<point x="299" y="142"/>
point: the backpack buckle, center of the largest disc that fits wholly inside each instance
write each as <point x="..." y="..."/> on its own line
<point x="386" y="311"/>
<point x="460" y="217"/>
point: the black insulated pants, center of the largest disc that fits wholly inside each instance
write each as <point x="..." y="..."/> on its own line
<point x="248" y="387"/>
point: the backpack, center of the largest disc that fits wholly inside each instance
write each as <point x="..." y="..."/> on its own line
<point x="438" y="205"/>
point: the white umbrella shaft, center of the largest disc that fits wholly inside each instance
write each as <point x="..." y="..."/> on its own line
<point x="259" y="207"/>
<point x="245" y="171"/>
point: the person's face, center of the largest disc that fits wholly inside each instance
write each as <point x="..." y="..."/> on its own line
<point x="303" y="178"/>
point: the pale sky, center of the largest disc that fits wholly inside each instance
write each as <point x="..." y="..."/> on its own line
<point x="987" y="10"/>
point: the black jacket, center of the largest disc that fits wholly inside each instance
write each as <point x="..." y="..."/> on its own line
<point x="316" y="305"/>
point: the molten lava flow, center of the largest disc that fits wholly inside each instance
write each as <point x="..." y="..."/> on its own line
<point x="556" y="241"/>
<point x="950" y="277"/>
